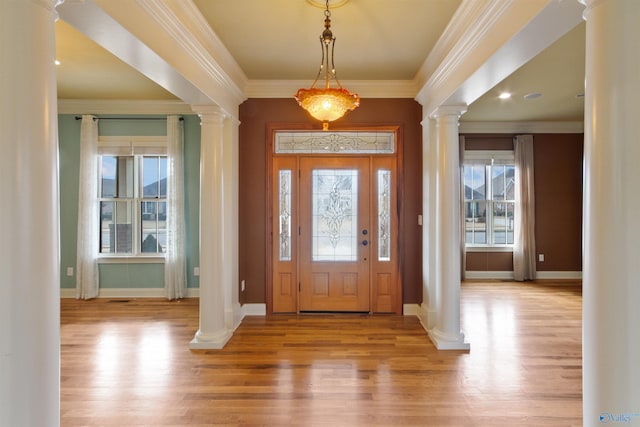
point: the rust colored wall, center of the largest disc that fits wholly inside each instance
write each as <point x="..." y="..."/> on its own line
<point x="256" y="115"/>
<point x="489" y="261"/>
<point x="558" y="193"/>
<point x="558" y="181"/>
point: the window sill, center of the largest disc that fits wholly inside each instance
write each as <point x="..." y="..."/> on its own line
<point x="120" y="259"/>
<point x="489" y="248"/>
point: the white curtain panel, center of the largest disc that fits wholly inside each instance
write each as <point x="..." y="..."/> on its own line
<point x="524" y="251"/>
<point x="175" y="268"/>
<point x="87" y="284"/>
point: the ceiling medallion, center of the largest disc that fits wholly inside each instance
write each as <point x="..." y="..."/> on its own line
<point x="327" y="103"/>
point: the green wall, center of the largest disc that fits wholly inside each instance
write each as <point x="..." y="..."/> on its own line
<point x="130" y="274"/>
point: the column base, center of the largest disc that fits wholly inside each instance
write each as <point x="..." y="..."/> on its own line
<point x="427" y="317"/>
<point x="215" y="341"/>
<point x="444" y="341"/>
<point x="233" y="317"/>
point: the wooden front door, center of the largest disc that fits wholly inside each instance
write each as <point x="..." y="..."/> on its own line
<point x="334" y="234"/>
<point x="334" y="244"/>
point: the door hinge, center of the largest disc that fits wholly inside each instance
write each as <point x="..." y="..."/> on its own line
<point x="299" y="287"/>
<point x="299" y="231"/>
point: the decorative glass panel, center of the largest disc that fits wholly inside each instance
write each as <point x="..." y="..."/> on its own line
<point x="334" y="215"/>
<point x="345" y="142"/>
<point x="384" y="218"/>
<point x="284" y="203"/>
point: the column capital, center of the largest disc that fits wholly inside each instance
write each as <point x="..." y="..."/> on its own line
<point x="449" y="111"/>
<point x="210" y="113"/>
<point x="589" y="6"/>
<point x="50" y="5"/>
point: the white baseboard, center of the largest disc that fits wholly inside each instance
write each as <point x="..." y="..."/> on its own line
<point x="411" y="309"/>
<point x="129" y="293"/>
<point x="508" y="275"/>
<point x="558" y="275"/>
<point x="482" y="275"/>
<point x="254" y="310"/>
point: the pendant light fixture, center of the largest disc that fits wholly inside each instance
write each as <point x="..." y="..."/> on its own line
<point x="327" y="103"/>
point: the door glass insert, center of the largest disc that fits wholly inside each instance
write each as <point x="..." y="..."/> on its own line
<point x="334" y="215"/>
<point x="284" y="203"/>
<point x="384" y="217"/>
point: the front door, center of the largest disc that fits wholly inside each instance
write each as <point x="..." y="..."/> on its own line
<point x="334" y="234"/>
<point x="334" y="229"/>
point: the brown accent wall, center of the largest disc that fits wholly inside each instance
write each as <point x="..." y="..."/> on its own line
<point x="256" y="115"/>
<point x="489" y="261"/>
<point x="558" y="193"/>
<point x="558" y="181"/>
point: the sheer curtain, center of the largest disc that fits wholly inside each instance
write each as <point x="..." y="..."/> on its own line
<point x="463" y="248"/>
<point x="175" y="270"/>
<point x="524" y="251"/>
<point x="87" y="284"/>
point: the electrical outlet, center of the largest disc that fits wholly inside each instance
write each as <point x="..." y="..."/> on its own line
<point x="69" y="271"/>
<point x="242" y="286"/>
<point x="541" y="257"/>
<point x="196" y="271"/>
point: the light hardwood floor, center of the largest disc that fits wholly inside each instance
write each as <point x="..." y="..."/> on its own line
<point x="126" y="363"/>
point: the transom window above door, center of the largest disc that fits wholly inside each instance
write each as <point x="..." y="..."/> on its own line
<point x="343" y="142"/>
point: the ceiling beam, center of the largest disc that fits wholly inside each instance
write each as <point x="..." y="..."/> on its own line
<point x="489" y="42"/>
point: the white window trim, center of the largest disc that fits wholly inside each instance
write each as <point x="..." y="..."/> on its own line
<point x="131" y="146"/>
<point x="483" y="157"/>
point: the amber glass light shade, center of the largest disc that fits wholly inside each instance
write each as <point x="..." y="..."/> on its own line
<point x="327" y="104"/>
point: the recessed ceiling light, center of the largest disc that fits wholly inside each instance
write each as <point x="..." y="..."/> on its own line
<point x="504" y="95"/>
<point x="57" y="62"/>
<point x="533" y="95"/>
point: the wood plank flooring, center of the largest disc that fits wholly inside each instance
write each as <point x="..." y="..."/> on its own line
<point x="126" y="363"/>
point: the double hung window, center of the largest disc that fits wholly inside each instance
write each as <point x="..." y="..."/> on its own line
<point x="133" y="207"/>
<point x="489" y="198"/>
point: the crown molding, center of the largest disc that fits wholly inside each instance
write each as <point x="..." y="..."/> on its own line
<point x="521" y="127"/>
<point x="488" y="42"/>
<point x="471" y="21"/>
<point x="122" y="106"/>
<point x="183" y="21"/>
<point x="364" y="88"/>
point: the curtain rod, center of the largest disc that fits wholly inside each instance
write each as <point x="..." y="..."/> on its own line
<point x="130" y="118"/>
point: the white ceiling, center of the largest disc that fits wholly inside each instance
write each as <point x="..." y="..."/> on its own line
<point x="377" y="40"/>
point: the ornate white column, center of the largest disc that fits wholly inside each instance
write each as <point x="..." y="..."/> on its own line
<point x="428" y="309"/>
<point x="611" y="284"/>
<point x="212" y="333"/>
<point x="446" y="334"/>
<point x="29" y="225"/>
